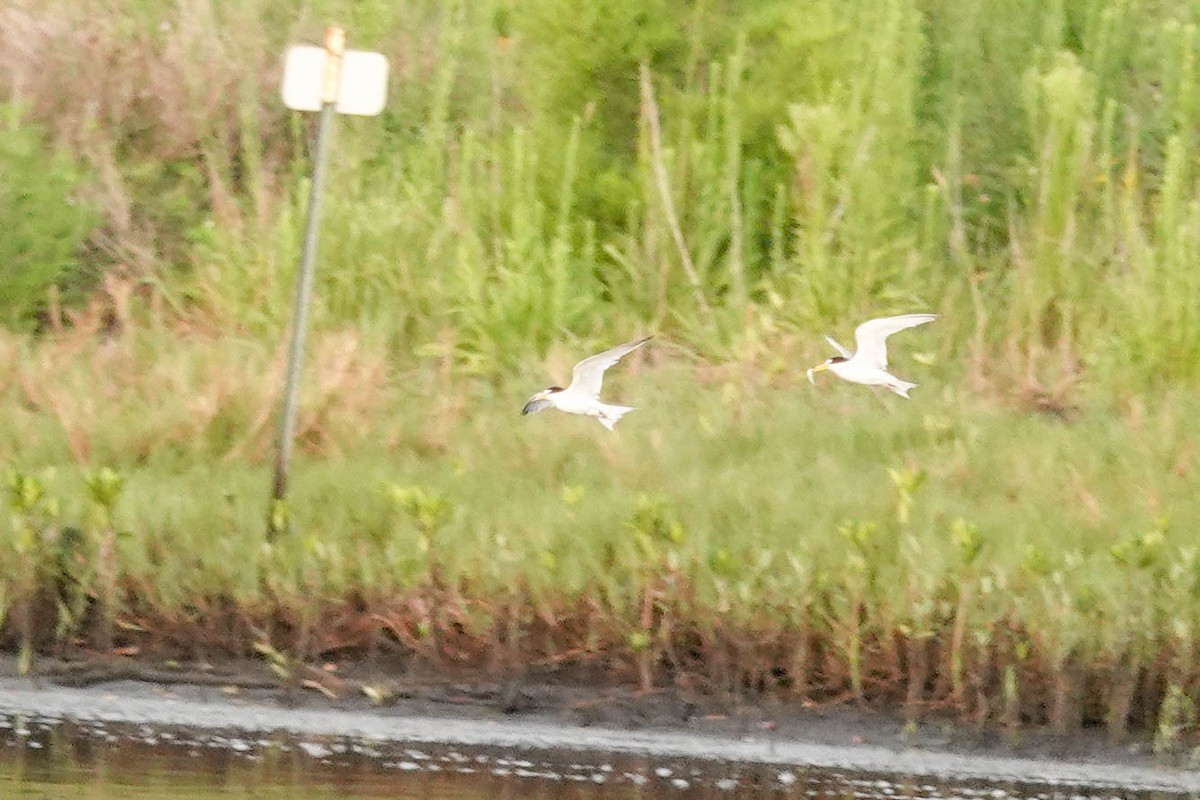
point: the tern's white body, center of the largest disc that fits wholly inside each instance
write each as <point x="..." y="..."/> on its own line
<point x="868" y="365"/>
<point x="583" y="395"/>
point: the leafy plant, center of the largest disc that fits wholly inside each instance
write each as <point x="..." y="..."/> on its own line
<point x="34" y="515"/>
<point x="49" y="221"/>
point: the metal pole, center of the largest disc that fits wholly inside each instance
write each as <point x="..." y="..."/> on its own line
<point x="335" y="42"/>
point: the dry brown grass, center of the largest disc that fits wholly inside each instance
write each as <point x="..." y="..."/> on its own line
<point x="122" y="92"/>
<point x="106" y="374"/>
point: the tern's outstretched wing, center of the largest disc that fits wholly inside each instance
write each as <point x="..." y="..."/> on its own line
<point x="871" y="337"/>
<point x="843" y="352"/>
<point x="588" y="374"/>
<point x="534" y="406"/>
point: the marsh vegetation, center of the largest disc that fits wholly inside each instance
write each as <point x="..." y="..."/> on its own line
<point x="1014" y="546"/>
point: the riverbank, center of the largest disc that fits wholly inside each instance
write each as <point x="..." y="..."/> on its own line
<point x="760" y="537"/>
<point x="558" y="713"/>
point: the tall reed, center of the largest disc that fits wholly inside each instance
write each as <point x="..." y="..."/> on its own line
<point x="1022" y="169"/>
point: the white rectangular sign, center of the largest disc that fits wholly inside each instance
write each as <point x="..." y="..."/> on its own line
<point x="362" y="90"/>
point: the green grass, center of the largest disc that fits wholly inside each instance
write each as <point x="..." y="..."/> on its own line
<point x="737" y="525"/>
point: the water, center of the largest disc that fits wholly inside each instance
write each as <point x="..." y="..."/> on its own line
<point x="53" y="758"/>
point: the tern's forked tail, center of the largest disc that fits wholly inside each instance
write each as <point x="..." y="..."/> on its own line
<point x="609" y="416"/>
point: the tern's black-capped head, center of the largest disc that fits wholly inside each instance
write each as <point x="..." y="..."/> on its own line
<point x="540" y="400"/>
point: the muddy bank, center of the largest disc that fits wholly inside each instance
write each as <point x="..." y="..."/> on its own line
<point x="552" y="712"/>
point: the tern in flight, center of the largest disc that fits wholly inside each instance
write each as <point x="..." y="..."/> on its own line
<point x="869" y="364"/>
<point x="583" y="395"/>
